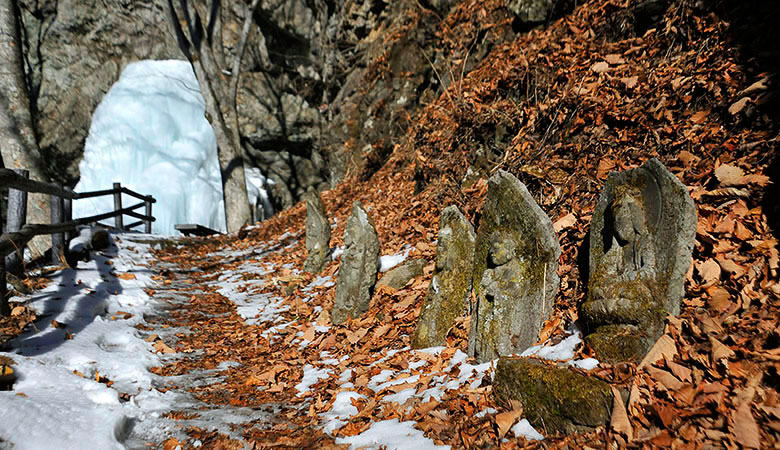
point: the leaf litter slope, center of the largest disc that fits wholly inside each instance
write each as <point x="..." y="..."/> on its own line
<point x="558" y="107"/>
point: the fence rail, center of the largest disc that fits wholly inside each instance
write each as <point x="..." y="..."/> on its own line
<point x="18" y="233"/>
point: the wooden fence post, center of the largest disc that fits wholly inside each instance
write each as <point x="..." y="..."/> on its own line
<point x="68" y="216"/>
<point x="148" y="222"/>
<point x="57" y="239"/>
<point x="118" y="205"/>
<point x="15" y="220"/>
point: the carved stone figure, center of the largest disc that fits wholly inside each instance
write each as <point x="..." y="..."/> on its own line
<point x="317" y="233"/>
<point x="447" y="297"/>
<point x="359" y="265"/>
<point x="515" y="271"/>
<point x="642" y="236"/>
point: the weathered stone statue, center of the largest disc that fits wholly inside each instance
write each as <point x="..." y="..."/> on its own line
<point x="448" y="293"/>
<point x="641" y="239"/>
<point x="359" y="265"/>
<point x="515" y="275"/>
<point x="317" y="233"/>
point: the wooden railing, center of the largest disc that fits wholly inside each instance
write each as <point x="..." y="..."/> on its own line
<point x="18" y="233"/>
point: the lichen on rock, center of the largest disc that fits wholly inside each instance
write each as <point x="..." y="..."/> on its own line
<point x="317" y="233"/>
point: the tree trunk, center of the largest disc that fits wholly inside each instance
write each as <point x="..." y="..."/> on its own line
<point x="18" y="143"/>
<point x="220" y="102"/>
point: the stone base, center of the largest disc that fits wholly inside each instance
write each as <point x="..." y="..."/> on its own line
<point x="619" y="343"/>
<point x="556" y="400"/>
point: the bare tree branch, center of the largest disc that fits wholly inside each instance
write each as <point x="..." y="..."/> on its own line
<point x="181" y="39"/>
<point x="250" y="11"/>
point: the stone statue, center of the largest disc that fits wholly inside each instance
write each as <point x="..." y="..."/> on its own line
<point x="448" y="293"/>
<point x="640" y="248"/>
<point x="358" y="268"/>
<point x="515" y="276"/>
<point x="317" y="233"/>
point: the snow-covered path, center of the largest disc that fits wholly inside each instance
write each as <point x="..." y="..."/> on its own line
<point x="83" y="378"/>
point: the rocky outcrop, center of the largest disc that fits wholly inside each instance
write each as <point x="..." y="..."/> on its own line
<point x="642" y="238"/>
<point x="515" y="274"/>
<point x="555" y="399"/>
<point x="534" y="12"/>
<point x="343" y="92"/>
<point x="317" y="234"/>
<point x="448" y="293"/>
<point x="397" y="277"/>
<point x="75" y="51"/>
<point x="359" y="265"/>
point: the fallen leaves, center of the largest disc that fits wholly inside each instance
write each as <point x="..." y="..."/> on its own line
<point x="125" y="276"/>
<point x="506" y="419"/>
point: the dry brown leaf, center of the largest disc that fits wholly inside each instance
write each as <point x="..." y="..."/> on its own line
<point x="605" y="166"/>
<point x="600" y="67"/>
<point x="745" y="428"/>
<point x="615" y="59"/>
<point x="171" y="444"/>
<point x="564" y="222"/>
<point x="709" y="271"/>
<point x="729" y="175"/>
<point x="505" y="420"/>
<point x="619" y="420"/>
<point x="738" y="106"/>
<point x="731" y="267"/>
<point x="309" y="334"/>
<point x="630" y="82"/>
<point x="664" y="347"/>
<point x="126" y="276"/>
<point x="18" y="311"/>
<point x="700" y="117"/>
<point x="720" y="300"/>
<point x="162" y="347"/>
<point x="720" y="350"/>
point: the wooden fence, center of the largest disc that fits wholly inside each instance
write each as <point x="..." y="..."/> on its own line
<point x="18" y="233"/>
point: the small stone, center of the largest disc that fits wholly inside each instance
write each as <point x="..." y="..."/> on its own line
<point x="556" y="399"/>
<point x="397" y="277"/>
<point x="359" y="266"/>
<point x="100" y="240"/>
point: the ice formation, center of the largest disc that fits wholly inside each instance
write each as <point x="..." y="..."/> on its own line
<point x="150" y="134"/>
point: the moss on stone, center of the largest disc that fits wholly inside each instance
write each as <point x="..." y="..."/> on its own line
<point x="447" y="296"/>
<point x="555" y="399"/>
<point x="618" y="343"/>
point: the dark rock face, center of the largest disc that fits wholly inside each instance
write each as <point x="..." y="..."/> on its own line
<point x="317" y="233"/>
<point x="515" y="276"/>
<point x="555" y="399"/>
<point x="397" y="277"/>
<point x="642" y="238"/>
<point x="359" y="265"/>
<point x="448" y="293"/>
<point x="74" y="52"/>
<point x="327" y="88"/>
<point x="534" y="12"/>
